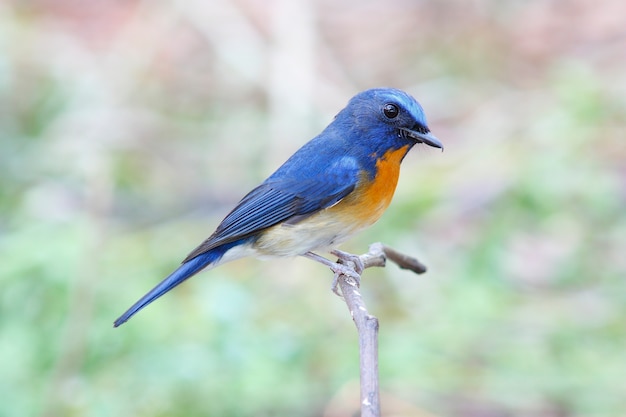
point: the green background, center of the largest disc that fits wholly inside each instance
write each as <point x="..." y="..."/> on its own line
<point x="128" y="129"/>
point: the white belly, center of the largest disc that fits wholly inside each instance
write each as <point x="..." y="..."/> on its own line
<point x="320" y="232"/>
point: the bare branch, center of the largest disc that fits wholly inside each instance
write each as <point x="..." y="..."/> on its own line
<point x="366" y="324"/>
<point x="402" y="260"/>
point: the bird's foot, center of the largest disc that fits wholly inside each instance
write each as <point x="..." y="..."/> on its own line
<point x="345" y="257"/>
<point x="341" y="268"/>
<point x="352" y="277"/>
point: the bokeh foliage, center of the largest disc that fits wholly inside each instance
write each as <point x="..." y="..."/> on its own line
<point x="128" y="129"/>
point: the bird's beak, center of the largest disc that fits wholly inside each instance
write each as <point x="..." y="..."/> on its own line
<point x="426" y="138"/>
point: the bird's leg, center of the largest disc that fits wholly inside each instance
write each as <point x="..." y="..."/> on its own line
<point x="338" y="269"/>
<point x="348" y="257"/>
<point x="344" y="258"/>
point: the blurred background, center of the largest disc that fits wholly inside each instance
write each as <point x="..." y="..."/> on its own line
<point x="128" y="129"/>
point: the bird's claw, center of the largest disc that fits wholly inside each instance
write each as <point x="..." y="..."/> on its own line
<point x="345" y="257"/>
<point x="342" y="267"/>
<point x="353" y="276"/>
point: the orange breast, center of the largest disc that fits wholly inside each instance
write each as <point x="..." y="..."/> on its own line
<point x="330" y="227"/>
<point x="369" y="201"/>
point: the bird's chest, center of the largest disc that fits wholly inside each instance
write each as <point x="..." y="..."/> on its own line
<point x="371" y="197"/>
<point x="333" y="225"/>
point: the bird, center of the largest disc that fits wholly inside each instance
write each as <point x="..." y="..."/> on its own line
<point x="334" y="186"/>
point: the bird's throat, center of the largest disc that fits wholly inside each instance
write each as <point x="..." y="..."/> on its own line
<point x="373" y="194"/>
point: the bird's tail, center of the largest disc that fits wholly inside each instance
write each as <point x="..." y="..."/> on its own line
<point x="185" y="271"/>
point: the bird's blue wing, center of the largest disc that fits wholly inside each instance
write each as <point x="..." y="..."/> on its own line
<point x="279" y="199"/>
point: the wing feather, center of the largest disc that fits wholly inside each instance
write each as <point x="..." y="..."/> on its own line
<point x="279" y="199"/>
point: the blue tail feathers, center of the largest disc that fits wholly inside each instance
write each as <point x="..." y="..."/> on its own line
<point x="182" y="273"/>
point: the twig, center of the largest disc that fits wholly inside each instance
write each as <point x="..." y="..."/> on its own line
<point x="402" y="260"/>
<point x="367" y="325"/>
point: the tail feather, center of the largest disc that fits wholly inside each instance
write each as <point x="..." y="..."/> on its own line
<point x="184" y="272"/>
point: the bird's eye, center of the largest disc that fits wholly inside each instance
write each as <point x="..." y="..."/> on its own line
<point x="391" y="111"/>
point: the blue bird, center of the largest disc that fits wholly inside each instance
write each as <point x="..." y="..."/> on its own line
<point x="336" y="185"/>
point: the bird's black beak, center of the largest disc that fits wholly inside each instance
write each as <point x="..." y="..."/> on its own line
<point x="426" y="138"/>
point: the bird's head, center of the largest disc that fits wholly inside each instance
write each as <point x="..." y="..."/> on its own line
<point x="388" y="115"/>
